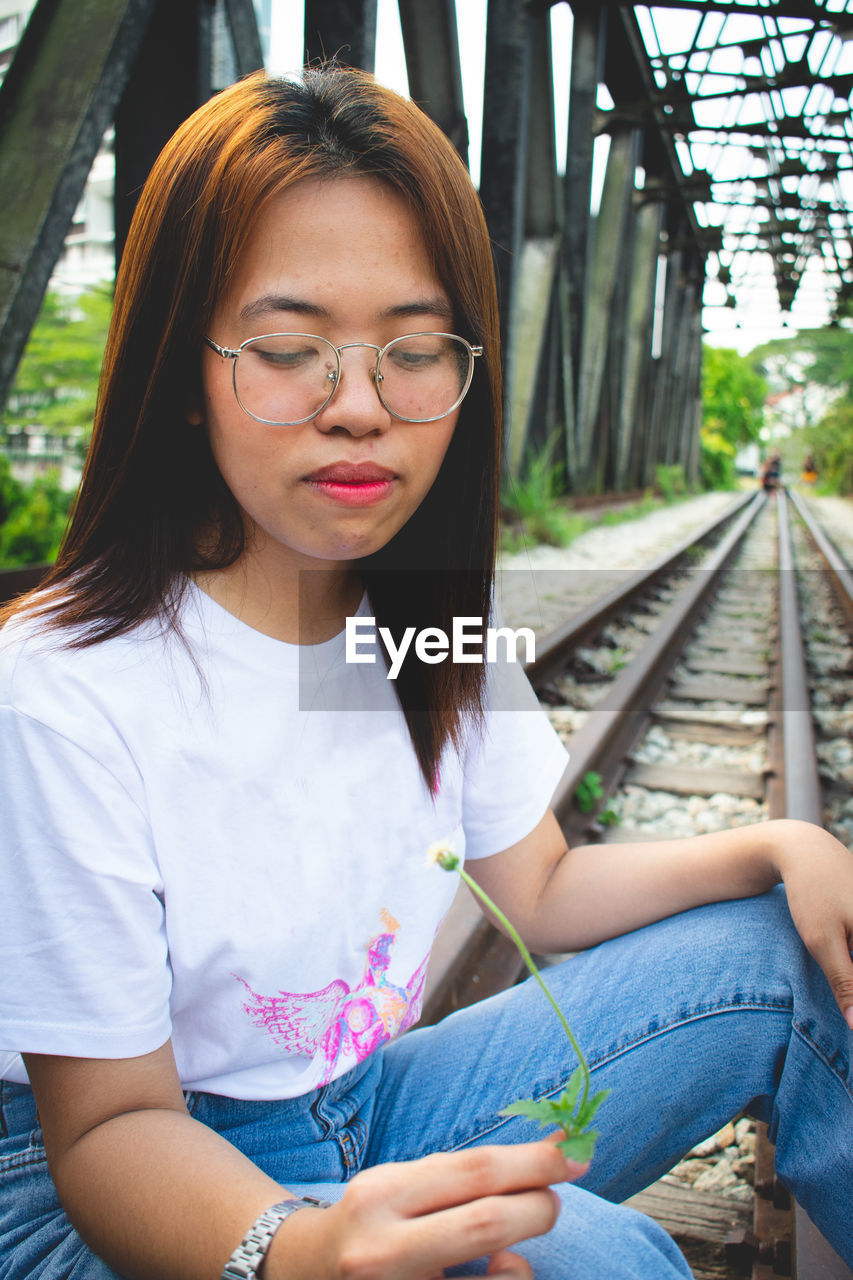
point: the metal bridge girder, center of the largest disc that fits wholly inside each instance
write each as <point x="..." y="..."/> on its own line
<point x="531" y="301"/>
<point x="243" y="25"/>
<point x="431" y="44"/>
<point x="640" y="305"/>
<point x="342" y="29"/>
<point x="172" y="75"/>
<point x="587" y="56"/>
<point x="522" y="199"/>
<point x="605" y="267"/>
<point x="56" y="102"/>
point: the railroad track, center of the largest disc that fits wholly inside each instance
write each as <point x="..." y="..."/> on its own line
<point x="700" y="651"/>
<point x="709" y="702"/>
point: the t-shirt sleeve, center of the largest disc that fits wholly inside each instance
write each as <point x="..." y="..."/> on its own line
<point x="512" y="767"/>
<point x="83" y="956"/>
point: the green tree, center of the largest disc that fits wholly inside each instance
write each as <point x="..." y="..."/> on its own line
<point x="733" y="396"/>
<point x="11" y="491"/>
<point x="824" y="357"/>
<point x="57" y="379"/>
<point x="32" y="518"/>
<point x="830" y="443"/>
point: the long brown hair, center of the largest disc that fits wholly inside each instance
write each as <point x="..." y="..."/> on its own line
<point x="150" y="484"/>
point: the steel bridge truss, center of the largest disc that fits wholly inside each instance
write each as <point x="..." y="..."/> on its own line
<point x="729" y="137"/>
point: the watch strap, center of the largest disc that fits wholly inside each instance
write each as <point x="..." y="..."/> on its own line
<point x="250" y="1253"/>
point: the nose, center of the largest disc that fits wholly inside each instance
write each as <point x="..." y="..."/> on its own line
<point x="355" y="407"/>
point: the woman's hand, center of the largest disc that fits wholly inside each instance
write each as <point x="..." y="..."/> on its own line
<point x="410" y="1221"/>
<point x="817" y="871"/>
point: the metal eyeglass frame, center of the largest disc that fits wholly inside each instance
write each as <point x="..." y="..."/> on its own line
<point x="233" y="353"/>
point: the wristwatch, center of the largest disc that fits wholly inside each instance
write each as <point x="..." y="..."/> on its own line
<point x="250" y="1253"/>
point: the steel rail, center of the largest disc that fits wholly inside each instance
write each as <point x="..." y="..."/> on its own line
<point x="814" y="1257"/>
<point x="552" y="650"/>
<point x="793" y="791"/>
<point x="802" y="792"/>
<point x="841" y="576"/>
<point x="615" y="724"/>
<point x="471" y="959"/>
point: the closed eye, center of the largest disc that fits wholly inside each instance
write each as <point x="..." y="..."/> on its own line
<point x="287" y="358"/>
<point x="413" y="360"/>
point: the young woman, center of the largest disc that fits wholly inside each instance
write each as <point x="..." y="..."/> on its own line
<point x="216" y="911"/>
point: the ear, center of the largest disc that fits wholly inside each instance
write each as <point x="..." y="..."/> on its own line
<point x="195" y="403"/>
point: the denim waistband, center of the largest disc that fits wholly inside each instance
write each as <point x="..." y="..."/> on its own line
<point x="319" y="1136"/>
<point x="17" y="1108"/>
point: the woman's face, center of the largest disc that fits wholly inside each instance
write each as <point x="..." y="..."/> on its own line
<point x="342" y="258"/>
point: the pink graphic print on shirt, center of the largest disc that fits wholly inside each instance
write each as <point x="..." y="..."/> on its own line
<point x="338" y="1022"/>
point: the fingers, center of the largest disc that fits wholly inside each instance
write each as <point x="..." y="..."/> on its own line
<point x="446" y="1179"/>
<point x="412" y="1220"/>
<point x="574" y="1168"/>
<point x="818" y="875"/>
<point x="484" y="1227"/>
<point x="833" y="955"/>
<point x="380" y="1242"/>
<point x="509" y="1266"/>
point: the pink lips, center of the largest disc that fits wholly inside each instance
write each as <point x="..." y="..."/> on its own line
<point x="354" y="484"/>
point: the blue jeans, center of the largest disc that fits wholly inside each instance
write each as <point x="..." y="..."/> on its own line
<point x="688" y="1022"/>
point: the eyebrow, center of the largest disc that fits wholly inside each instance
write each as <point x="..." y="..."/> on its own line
<point x="270" y="304"/>
<point x="437" y="306"/>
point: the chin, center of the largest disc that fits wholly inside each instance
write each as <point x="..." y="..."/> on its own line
<point x="356" y="548"/>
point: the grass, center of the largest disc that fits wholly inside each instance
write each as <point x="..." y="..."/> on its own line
<point x="535" y="510"/>
<point x="561" y="525"/>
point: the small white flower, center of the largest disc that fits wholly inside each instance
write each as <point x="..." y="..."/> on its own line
<point x="443" y="854"/>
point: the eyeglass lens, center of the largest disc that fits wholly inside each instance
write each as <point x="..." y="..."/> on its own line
<point x="288" y="377"/>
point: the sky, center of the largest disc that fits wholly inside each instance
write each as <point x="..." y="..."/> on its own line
<point x="755" y="320"/>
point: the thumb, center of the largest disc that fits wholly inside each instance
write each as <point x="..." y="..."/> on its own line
<point x="575" y="1168"/>
<point x="509" y="1266"/>
<point x="835" y="959"/>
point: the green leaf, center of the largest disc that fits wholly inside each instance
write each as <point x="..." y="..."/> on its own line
<point x="588" y="1110"/>
<point x="589" y="790"/>
<point x="579" y="1147"/>
<point x="543" y="1111"/>
<point x="579" y="1142"/>
<point x="572" y="1090"/>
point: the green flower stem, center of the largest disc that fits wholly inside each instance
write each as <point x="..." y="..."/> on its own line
<point x="529" y="961"/>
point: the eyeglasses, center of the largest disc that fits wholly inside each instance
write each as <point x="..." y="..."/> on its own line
<point x="285" y="379"/>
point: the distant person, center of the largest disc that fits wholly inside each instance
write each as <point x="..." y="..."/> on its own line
<point x="771" y="472"/>
<point x="808" y="475"/>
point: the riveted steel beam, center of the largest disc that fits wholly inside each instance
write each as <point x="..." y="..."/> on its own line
<point x="586" y="72"/>
<point x="243" y="24"/>
<point x="505" y="108"/>
<point x="533" y="316"/>
<point x="342" y="29"/>
<point x="506" y="104"/>
<point x="56" y="102"/>
<point x="606" y="268"/>
<point x="431" y="43"/>
<point x="637" y="351"/>
<point x="543" y="210"/>
<point x="172" y="75"/>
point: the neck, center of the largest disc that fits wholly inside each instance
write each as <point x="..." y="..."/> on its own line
<point x="305" y="605"/>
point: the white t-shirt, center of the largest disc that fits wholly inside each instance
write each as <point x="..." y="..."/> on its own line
<point x="226" y="844"/>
